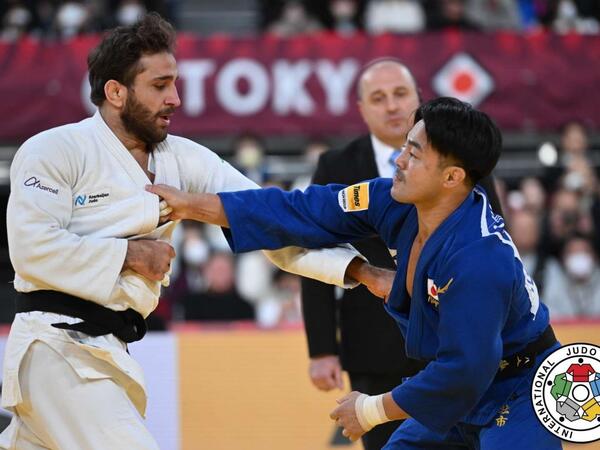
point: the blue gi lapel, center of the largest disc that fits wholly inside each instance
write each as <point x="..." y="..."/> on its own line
<point x="398" y="303"/>
<point x="419" y="309"/>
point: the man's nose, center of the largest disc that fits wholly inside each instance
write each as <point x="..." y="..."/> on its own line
<point x="173" y="98"/>
<point x="402" y="159"/>
<point x="392" y="104"/>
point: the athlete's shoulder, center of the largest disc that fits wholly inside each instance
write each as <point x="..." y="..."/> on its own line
<point x="490" y="256"/>
<point x="182" y="145"/>
<point x="58" y="143"/>
<point x="189" y="152"/>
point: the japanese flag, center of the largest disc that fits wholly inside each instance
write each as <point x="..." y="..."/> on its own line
<point x="462" y="77"/>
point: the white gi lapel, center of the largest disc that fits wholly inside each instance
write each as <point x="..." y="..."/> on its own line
<point x="166" y="168"/>
<point x="118" y="150"/>
<point x="115" y="147"/>
<point x="166" y="171"/>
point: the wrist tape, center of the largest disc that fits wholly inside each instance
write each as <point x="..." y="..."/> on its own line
<point x="370" y="411"/>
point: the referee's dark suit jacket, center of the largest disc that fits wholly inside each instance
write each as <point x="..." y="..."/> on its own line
<point x="369" y="341"/>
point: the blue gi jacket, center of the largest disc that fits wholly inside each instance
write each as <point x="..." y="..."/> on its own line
<point x="472" y="305"/>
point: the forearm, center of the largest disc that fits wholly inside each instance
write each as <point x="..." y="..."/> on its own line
<point x="392" y="410"/>
<point x="328" y="265"/>
<point x="379" y="281"/>
<point x="359" y="270"/>
<point x="42" y="258"/>
<point x="207" y="208"/>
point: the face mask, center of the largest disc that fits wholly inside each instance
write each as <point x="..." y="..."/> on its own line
<point x="195" y="252"/>
<point x="579" y="265"/>
<point x="249" y="156"/>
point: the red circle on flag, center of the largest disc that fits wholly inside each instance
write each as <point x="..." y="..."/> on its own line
<point x="463" y="82"/>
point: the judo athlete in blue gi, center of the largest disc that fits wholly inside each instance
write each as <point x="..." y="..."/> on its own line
<point x="460" y="295"/>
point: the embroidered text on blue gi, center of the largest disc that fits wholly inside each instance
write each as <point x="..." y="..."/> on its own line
<point x="33" y="181"/>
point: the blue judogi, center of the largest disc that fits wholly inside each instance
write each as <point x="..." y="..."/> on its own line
<point x="472" y="305"/>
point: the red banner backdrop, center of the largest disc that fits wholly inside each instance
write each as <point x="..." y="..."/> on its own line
<point x="306" y="85"/>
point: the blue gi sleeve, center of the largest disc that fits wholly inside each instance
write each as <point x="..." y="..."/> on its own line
<point x="473" y="307"/>
<point x="320" y="216"/>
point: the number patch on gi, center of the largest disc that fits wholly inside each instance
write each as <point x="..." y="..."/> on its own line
<point x="354" y="198"/>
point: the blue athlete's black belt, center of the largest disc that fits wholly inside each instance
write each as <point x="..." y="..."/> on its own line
<point x="129" y="325"/>
<point x="525" y="359"/>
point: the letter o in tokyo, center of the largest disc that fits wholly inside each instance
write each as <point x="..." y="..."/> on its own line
<point x="231" y="98"/>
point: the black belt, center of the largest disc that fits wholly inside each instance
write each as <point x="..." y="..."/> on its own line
<point x="128" y="325"/>
<point x="525" y="359"/>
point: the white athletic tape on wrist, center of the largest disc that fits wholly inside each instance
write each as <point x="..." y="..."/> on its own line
<point x="370" y="411"/>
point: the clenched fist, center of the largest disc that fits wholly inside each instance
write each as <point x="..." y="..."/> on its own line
<point x="151" y="259"/>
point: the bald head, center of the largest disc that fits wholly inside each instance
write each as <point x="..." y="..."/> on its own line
<point x="376" y="65"/>
<point x="387" y="98"/>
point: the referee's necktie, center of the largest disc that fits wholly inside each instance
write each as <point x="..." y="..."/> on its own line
<point x="393" y="158"/>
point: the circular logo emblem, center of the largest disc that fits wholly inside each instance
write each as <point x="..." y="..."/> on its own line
<point x="566" y="393"/>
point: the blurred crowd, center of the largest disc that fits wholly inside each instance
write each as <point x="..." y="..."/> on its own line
<point x="553" y="221"/>
<point x="66" y="18"/>
<point x="414" y="16"/>
<point x="60" y="19"/>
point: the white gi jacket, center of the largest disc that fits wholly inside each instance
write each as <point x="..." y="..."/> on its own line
<point x="77" y="195"/>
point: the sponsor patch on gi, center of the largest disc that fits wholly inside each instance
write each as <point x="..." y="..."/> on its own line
<point x="35" y="182"/>
<point x="93" y="199"/>
<point x="566" y="393"/>
<point x="354" y="198"/>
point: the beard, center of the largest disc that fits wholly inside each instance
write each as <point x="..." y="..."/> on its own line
<point x="141" y="122"/>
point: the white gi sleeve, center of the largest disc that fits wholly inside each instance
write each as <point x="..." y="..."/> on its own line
<point x="44" y="254"/>
<point x="327" y="265"/>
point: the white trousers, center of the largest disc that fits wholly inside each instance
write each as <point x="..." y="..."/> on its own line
<point x="62" y="411"/>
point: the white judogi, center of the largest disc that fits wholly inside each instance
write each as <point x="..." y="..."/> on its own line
<point x="77" y="195"/>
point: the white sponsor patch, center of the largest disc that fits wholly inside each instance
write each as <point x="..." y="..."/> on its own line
<point x="93" y="199"/>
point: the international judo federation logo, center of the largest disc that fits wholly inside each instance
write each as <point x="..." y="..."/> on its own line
<point x="566" y="393"/>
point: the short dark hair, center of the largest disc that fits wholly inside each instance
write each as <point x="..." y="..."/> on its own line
<point x="117" y="56"/>
<point x="456" y="130"/>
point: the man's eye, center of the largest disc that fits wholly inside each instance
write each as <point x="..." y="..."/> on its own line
<point x="160" y="87"/>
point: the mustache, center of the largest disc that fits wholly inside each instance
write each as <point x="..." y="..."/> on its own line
<point x="166" y="112"/>
<point x="399" y="175"/>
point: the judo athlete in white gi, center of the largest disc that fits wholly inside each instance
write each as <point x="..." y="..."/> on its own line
<point x="460" y="295"/>
<point x="90" y="252"/>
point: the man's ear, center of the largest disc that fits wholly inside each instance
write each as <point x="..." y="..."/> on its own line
<point x="453" y="176"/>
<point x="115" y="93"/>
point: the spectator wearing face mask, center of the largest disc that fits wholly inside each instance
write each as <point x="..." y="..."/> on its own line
<point x="249" y="157"/>
<point x="567" y="216"/>
<point x="574" y="291"/>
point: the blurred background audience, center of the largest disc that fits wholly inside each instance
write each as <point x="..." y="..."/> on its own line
<point x="60" y="19"/>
